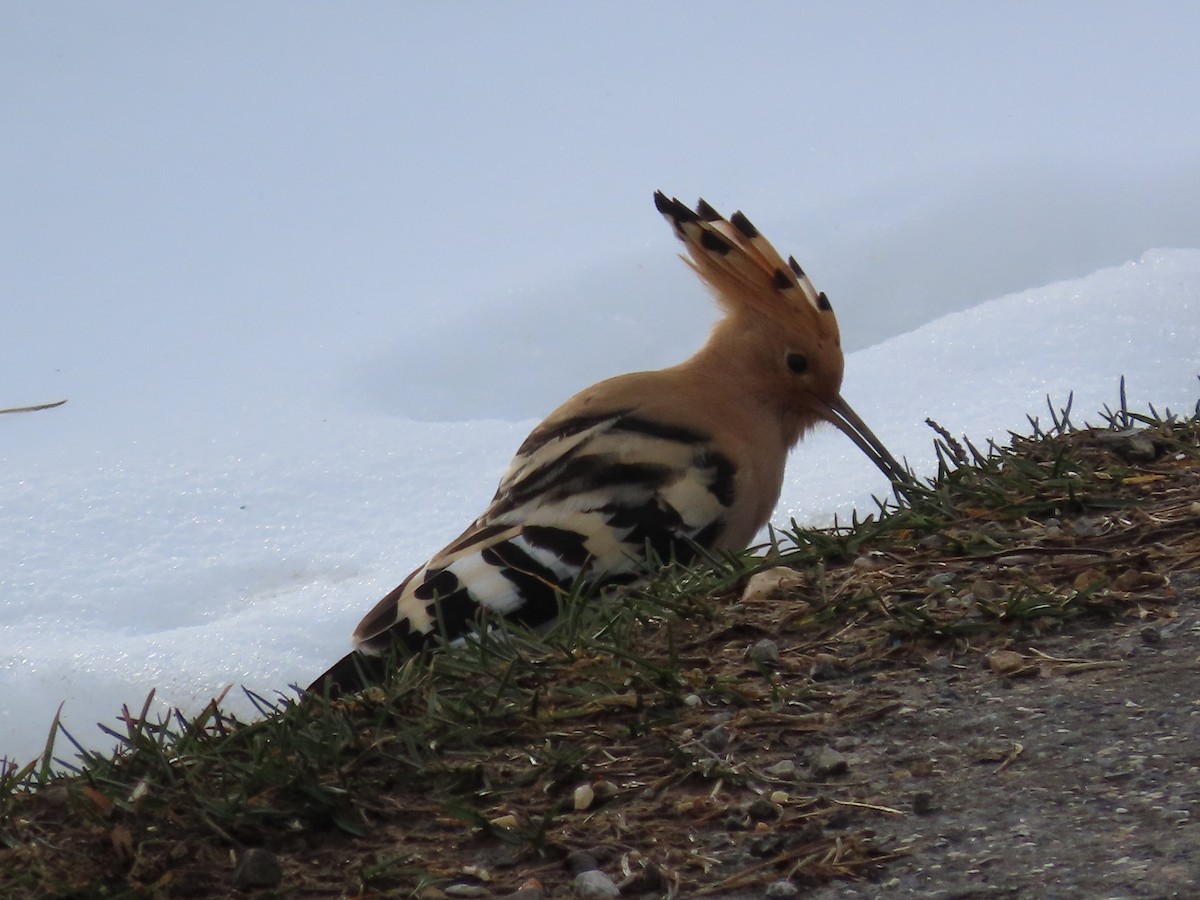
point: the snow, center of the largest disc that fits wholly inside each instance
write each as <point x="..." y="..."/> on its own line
<point x="308" y="274"/>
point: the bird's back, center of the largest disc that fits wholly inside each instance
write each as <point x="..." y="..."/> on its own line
<point x="592" y="497"/>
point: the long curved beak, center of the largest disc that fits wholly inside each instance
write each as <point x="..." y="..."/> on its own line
<point x="849" y="423"/>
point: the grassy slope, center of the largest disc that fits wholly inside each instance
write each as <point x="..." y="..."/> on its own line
<point x="466" y="772"/>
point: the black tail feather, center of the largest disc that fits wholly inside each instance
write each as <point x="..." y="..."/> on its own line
<point x="350" y="674"/>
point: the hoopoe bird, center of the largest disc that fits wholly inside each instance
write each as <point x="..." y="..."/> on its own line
<point x="644" y="467"/>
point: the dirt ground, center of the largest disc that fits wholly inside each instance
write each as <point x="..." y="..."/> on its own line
<point x="1067" y="779"/>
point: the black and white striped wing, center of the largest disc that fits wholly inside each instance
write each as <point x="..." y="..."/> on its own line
<point x="592" y="497"/>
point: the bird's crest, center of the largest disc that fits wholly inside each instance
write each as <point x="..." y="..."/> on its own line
<point x="742" y="268"/>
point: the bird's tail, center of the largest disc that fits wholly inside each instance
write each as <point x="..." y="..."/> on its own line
<point x="351" y="673"/>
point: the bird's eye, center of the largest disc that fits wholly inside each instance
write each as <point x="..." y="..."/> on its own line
<point x="797" y="362"/>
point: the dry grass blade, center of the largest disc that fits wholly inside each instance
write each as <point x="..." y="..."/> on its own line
<point x="35" y="408"/>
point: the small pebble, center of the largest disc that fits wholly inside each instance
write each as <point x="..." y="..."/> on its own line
<point x="257" y="868"/>
<point x="1092" y="526"/>
<point x="584" y="795"/>
<point x="1005" y="662"/>
<point x="595" y="885"/>
<point x="604" y="790"/>
<point x="765" y="651"/>
<point x="781" y="769"/>
<point x="1151" y="635"/>
<point x="771" y="583"/>
<point x="828" y="761"/>
<point x="983" y="589"/>
<point x="466" y="890"/>
<point x="1133" y="444"/>
<point x="692" y="700"/>
<point x="763" y="810"/>
<point x="825" y="667"/>
<point x="782" y="889"/>
<point x="778" y="797"/>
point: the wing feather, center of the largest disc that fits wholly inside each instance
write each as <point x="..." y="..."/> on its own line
<point x="583" y="499"/>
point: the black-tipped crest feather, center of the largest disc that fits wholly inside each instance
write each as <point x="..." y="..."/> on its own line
<point x="733" y="256"/>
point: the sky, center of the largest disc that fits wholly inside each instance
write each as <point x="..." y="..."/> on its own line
<point x="308" y="273"/>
